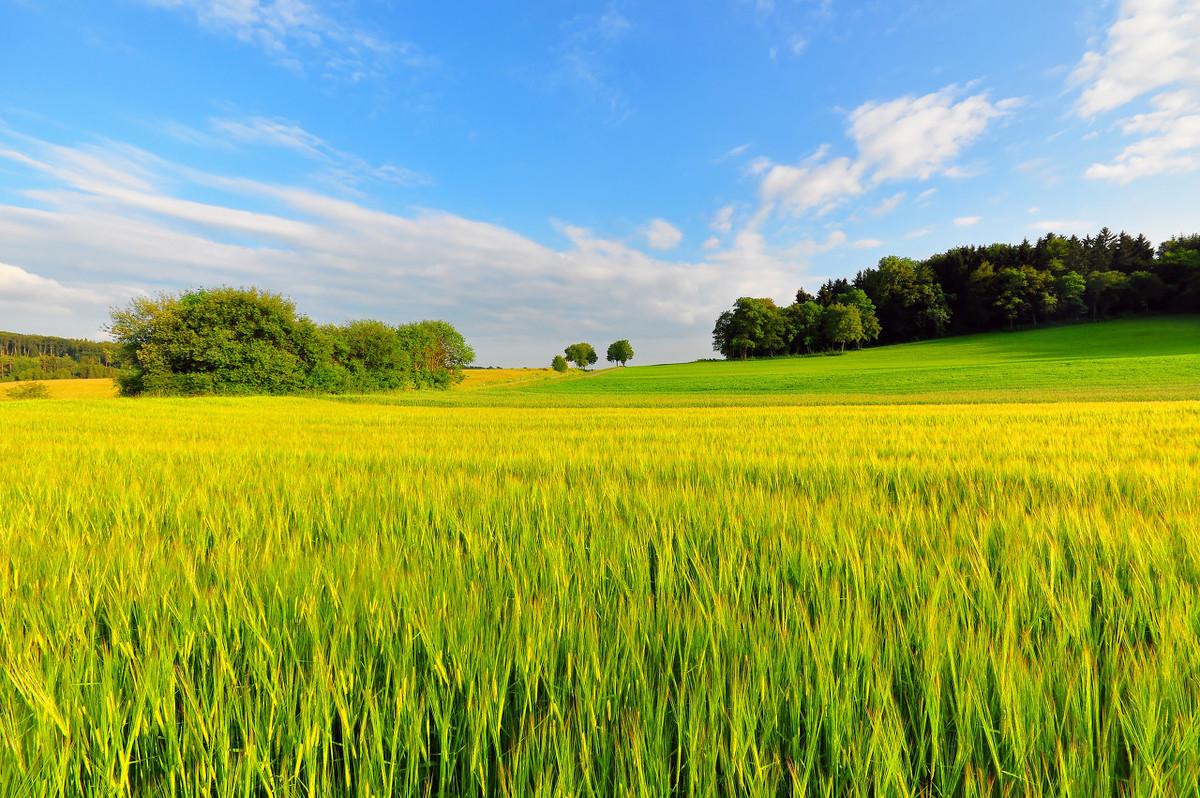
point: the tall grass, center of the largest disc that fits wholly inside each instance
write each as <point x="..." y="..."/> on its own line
<point x="297" y="597"/>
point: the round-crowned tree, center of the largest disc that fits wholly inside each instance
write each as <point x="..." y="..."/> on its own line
<point x="582" y="354"/>
<point x="620" y="352"/>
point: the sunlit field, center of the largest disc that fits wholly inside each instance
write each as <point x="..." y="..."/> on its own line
<point x="286" y="596"/>
<point x="478" y="378"/>
<point x="68" y="389"/>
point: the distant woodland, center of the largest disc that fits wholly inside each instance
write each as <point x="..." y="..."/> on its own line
<point x="972" y="289"/>
<point x="45" y="357"/>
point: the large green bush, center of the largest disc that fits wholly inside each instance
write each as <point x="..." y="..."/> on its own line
<point x="249" y="341"/>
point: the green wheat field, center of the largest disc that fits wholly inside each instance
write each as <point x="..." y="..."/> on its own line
<point x="965" y="567"/>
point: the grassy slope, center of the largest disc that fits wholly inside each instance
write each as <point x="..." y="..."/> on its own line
<point x="1155" y="358"/>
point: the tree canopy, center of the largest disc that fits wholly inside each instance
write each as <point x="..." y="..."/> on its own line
<point x="972" y="289"/>
<point x="46" y="357"/>
<point x="249" y="341"/>
<point x="620" y="352"/>
<point x="581" y="354"/>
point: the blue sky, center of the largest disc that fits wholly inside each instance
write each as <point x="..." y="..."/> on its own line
<point x="540" y="173"/>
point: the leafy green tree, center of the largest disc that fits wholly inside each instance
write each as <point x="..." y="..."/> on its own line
<point x="248" y="341"/>
<point x="755" y="327"/>
<point x="856" y="297"/>
<point x="1103" y="288"/>
<point x="1147" y="289"/>
<point x="804" y="332"/>
<point x="364" y="356"/>
<point x="620" y="352"/>
<point x="909" y="301"/>
<point x="842" y="324"/>
<point x="221" y="340"/>
<point x="1178" y="264"/>
<point x="1040" y="293"/>
<point x="1011" y="289"/>
<point x="581" y="354"/>
<point x="1071" y="288"/>
<point x="436" y="352"/>
<point x="559" y="364"/>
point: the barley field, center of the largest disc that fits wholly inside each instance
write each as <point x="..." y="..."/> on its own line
<point x="67" y="389"/>
<point x="306" y="597"/>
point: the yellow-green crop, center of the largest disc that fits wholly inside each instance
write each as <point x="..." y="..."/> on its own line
<point x="304" y="597"/>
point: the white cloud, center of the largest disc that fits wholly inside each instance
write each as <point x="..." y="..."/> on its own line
<point x="889" y="204"/>
<point x="299" y="35"/>
<point x="906" y="138"/>
<point x="920" y="232"/>
<point x="919" y="137"/>
<point x="29" y="301"/>
<point x="1150" y="50"/>
<point x="99" y="224"/>
<point x="813" y="185"/>
<point x="734" y="152"/>
<point x="1169" y="143"/>
<point x="809" y="247"/>
<point x="1152" y="45"/>
<point x="661" y="234"/>
<point x="711" y="243"/>
<point x="867" y="243"/>
<point x="722" y="221"/>
<point x="967" y="221"/>
<point x="926" y="195"/>
<point x="282" y="133"/>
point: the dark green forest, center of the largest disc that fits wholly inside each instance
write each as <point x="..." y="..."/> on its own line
<point x="972" y="289"/>
<point x="45" y="357"/>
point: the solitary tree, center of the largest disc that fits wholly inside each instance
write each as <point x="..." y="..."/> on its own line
<point x="582" y="354"/>
<point x="620" y="352"/>
<point x="559" y="363"/>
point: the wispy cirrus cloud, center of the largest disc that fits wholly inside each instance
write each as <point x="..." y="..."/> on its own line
<point x="585" y="55"/>
<point x="889" y="204"/>
<point x="343" y="167"/>
<point x="302" y="35"/>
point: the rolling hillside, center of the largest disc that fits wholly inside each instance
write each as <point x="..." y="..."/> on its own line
<point x="1151" y="358"/>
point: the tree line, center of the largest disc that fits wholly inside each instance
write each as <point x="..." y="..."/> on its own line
<point x="46" y="357"/>
<point x="972" y="289"/>
<point x="249" y="341"/>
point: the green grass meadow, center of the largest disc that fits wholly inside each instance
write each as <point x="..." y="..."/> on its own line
<point x="968" y="567"/>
